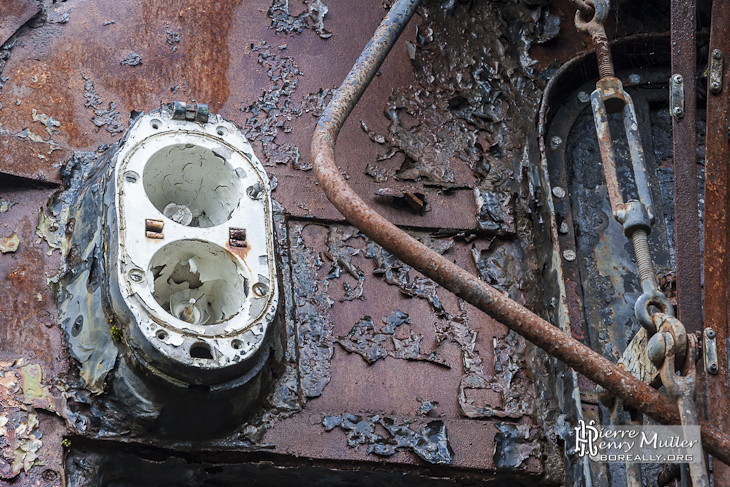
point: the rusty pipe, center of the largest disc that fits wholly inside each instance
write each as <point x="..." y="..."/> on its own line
<point x="600" y="370"/>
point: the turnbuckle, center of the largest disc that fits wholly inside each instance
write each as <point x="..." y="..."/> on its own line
<point x="636" y="216"/>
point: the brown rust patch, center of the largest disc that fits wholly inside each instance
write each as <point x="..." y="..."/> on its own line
<point x="84" y="45"/>
<point x="15" y="13"/>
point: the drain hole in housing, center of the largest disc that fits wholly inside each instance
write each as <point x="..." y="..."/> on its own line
<point x="200" y="350"/>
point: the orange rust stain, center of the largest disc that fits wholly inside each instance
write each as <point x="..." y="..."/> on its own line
<point x="46" y="73"/>
<point x="240" y="252"/>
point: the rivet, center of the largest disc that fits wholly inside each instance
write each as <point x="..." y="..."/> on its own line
<point x="569" y="255"/>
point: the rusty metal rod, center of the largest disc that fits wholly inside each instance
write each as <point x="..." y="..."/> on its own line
<point x="684" y="140"/>
<point x="452" y="277"/>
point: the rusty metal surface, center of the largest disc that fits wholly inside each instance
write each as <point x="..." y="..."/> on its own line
<point x="462" y="283"/>
<point x="230" y="56"/>
<point x="28" y="315"/>
<point x="71" y="71"/>
<point x="716" y="231"/>
<point x="73" y="89"/>
<point x="15" y="13"/>
<point x="687" y="230"/>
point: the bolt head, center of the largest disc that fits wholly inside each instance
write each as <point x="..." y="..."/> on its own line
<point x="715" y="86"/>
<point x="712" y="368"/>
<point x="716" y="54"/>
<point x="677" y="78"/>
<point x="569" y="255"/>
<point x="710" y="333"/>
<point x="677" y="111"/>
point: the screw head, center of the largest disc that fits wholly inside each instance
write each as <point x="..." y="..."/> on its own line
<point x="715" y="86"/>
<point x="710" y="333"/>
<point x="712" y="368"/>
<point x="260" y="289"/>
<point x="677" y="111"/>
<point x="716" y="54"/>
<point x="677" y="78"/>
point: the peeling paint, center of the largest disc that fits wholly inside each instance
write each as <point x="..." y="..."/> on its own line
<point x="340" y="254"/>
<point x="133" y="59"/>
<point x="430" y="444"/>
<point x="284" y="22"/>
<point x="48" y="229"/>
<point x="5" y="205"/>
<point x="9" y="244"/>
<point x="427" y="408"/>
<point x="49" y="122"/>
<point x="398" y="274"/>
<point x="374" y="345"/>
<point x="314" y="325"/>
<point x="515" y="394"/>
<point x="514" y="444"/>
<point x="275" y="107"/>
<point x="500" y="264"/>
<point x="105" y="117"/>
<point x="315" y="103"/>
<point x="21" y="393"/>
<point x="495" y="212"/>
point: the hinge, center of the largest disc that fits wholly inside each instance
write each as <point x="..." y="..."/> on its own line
<point x="710" y="351"/>
<point x="717" y="62"/>
<point x="676" y="96"/>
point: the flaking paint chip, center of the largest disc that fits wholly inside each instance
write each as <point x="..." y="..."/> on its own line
<point x="9" y="244"/>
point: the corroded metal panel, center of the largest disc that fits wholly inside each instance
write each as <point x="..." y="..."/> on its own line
<point x="423" y="367"/>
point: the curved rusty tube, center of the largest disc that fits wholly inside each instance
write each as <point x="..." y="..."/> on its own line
<point x="452" y="277"/>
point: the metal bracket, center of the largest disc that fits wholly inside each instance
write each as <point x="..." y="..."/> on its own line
<point x="717" y="63"/>
<point x="710" y="351"/>
<point x="197" y="112"/>
<point x="676" y="96"/>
